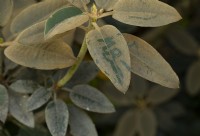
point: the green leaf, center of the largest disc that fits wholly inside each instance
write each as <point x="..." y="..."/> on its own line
<point x="4" y="100"/>
<point x="110" y="52"/>
<point x="91" y="99"/>
<point x="159" y="94"/>
<point x="193" y="79"/>
<point x="35" y="13"/>
<point x="106" y="4"/>
<point x="80" y="123"/>
<point x="79" y="3"/>
<point x="149" y="64"/>
<point x="18" y="110"/>
<point x="37" y="131"/>
<point x="63" y="20"/>
<point x="38" y="98"/>
<point x="57" y="116"/>
<point x="6" y="8"/>
<point x="47" y="56"/>
<point x="24" y="86"/>
<point x="146" y="13"/>
<point x="32" y="35"/>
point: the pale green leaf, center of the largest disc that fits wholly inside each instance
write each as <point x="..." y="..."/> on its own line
<point x="50" y="55"/>
<point x="6" y="8"/>
<point x="63" y="20"/>
<point x="159" y="94"/>
<point x="38" y="98"/>
<point x="106" y="4"/>
<point x="193" y="79"/>
<point x="110" y="52"/>
<point x="24" y="86"/>
<point x="57" y="116"/>
<point x="80" y="123"/>
<point x="4" y="100"/>
<point x="79" y="3"/>
<point x="18" y="110"/>
<point x="35" y="13"/>
<point x="149" y="64"/>
<point x="91" y="99"/>
<point x="146" y="13"/>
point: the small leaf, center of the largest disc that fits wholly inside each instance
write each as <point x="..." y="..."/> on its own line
<point x="24" y="86"/>
<point x="37" y="131"/>
<point x="146" y="13"/>
<point x="149" y="64"/>
<point x="4" y="100"/>
<point x="91" y="99"/>
<point x="6" y="8"/>
<point x="32" y="35"/>
<point x="57" y="116"/>
<point x="18" y="110"/>
<point x="63" y="20"/>
<point x="106" y="4"/>
<point x="80" y="123"/>
<point x="159" y="94"/>
<point x="110" y="52"/>
<point x="35" y="13"/>
<point x="193" y="79"/>
<point x="47" y="56"/>
<point x="79" y="3"/>
<point x="38" y="98"/>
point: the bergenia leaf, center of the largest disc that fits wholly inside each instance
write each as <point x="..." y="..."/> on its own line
<point x="4" y="103"/>
<point x="47" y="56"/>
<point x="110" y="52"/>
<point x="91" y="99"/>
<point x="149" y="64"/>
<point x="57" y="117"/>
<point x="146" y="13"/>
<point x="63" y="20"/>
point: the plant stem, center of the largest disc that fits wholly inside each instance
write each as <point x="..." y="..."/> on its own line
<point x="74" y="68"/>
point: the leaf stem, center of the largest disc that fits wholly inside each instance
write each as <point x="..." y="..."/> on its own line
<point x="74" y="68"/>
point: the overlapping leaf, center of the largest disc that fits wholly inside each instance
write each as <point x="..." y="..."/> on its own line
<point x="80" y="123"/>
<point x="63" y="20"/>
<point x="106" y="4"/>
<point x="79" y="3"/>
<point x="149" y="64"/>
<point x="91" y="99"/>
<point x="146" y="13"/>
<point x="38" y="98"/>
<point x="24" y="86"/>
<point x="57" y="116"/>
<point x="110" y="52"/>
<point x="4" y="100"/>
<point x="18" y="110"/>
<point x="35" y="13"/>
<point x="50" y="55"/>
<point x="193" y="79"/>
<point x="6" y="8"/>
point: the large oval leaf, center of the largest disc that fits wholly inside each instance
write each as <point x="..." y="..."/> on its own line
<point x="79" y="3"/>
<point x="110" y="52"/>
<point x="38" y="98"/>
<point x="91" y="99"/>
<point x="4" y="100"/>
<point x="50" y="55"/>
<point x="6" y="7"/>
<point x="193" y="79"/>
<point x="80" y="123"/>
<point x="57" y="116"/>
<point x="18" y="110"/>
<point x="63" y="20"/>
<point x="146" y="13"/>
<point x="35" y="13"/>
<point x="24" y="86"/>
<point x="149" y="64"/>
<point x="106" y="4"/>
